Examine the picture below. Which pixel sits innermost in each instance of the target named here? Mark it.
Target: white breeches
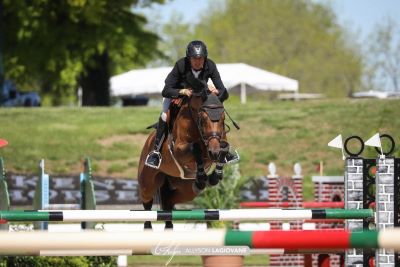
(165, 107)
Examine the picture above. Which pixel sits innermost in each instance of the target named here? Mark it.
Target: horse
(196, 143)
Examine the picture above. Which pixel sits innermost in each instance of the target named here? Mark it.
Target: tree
(1, 45)
(300, 39)
(384, 57)
(61, 45)
(174, 37)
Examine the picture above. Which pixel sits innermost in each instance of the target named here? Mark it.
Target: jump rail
(307, 205)
(53, 243)
(191, 215)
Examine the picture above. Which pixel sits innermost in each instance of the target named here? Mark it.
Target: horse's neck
(184, 121)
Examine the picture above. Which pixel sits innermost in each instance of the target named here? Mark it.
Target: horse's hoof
(197, 187)
(147, 225)
(201, 184)
(201, 177)
(213, 179)
(169, 225)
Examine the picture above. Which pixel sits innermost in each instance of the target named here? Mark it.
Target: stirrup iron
(159, 163)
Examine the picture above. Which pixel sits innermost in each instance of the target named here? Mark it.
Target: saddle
(172, 113)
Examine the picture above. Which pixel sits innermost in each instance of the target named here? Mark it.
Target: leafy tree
(384, 57)
(1, 45)
(300, 39)
(60, 45)
(174, 36)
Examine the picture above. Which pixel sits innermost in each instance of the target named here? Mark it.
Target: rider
(196, 62)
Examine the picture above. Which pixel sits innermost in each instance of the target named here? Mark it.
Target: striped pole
(190, 215)
(53, 243)
(307, 205)
(119, 252)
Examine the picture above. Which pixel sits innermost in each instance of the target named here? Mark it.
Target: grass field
(282, 132)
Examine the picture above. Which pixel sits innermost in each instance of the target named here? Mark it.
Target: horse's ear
(196, 84)
(204, 90)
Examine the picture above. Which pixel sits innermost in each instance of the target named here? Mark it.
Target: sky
(358, 15)
(363, 15)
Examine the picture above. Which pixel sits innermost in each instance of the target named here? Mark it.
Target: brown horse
(197, 140)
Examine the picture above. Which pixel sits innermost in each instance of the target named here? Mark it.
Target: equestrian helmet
(196, 49)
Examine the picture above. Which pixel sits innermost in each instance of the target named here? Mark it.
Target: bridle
(198, 120)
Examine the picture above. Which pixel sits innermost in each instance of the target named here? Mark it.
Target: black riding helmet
(196, 49)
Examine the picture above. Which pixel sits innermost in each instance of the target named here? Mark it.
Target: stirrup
(235, 159)
(159, 162)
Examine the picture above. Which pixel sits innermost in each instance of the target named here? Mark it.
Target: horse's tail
(162, 194)
(157, 200)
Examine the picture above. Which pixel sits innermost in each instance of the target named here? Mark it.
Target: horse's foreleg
(201, 176)
(218, 173)
(147, 206)
(150, 180)
(166, 203)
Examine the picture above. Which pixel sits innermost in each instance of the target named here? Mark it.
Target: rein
(233, 122)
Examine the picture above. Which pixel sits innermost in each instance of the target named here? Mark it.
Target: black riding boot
(153, 160)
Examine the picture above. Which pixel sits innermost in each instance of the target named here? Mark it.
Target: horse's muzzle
(224, 149)
(214, 148)
(218, 154)
(213, 154)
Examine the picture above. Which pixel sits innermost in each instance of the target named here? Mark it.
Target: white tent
(147, 81)
(376, 94)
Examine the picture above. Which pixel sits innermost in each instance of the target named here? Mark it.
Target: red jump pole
(306, 239)
(310, 205)
(336, 205)
(3, 143)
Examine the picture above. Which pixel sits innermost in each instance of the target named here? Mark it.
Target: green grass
(64, 136)
(283, 132)
(149, 260)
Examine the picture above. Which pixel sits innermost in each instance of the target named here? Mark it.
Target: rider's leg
(154, 158)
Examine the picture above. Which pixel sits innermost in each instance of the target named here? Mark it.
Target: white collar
(196, 73)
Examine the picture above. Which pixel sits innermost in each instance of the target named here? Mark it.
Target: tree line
(59, 46)
(301, 39)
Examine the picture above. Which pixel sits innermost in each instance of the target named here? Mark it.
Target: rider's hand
(212, 89)
(186, 92)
